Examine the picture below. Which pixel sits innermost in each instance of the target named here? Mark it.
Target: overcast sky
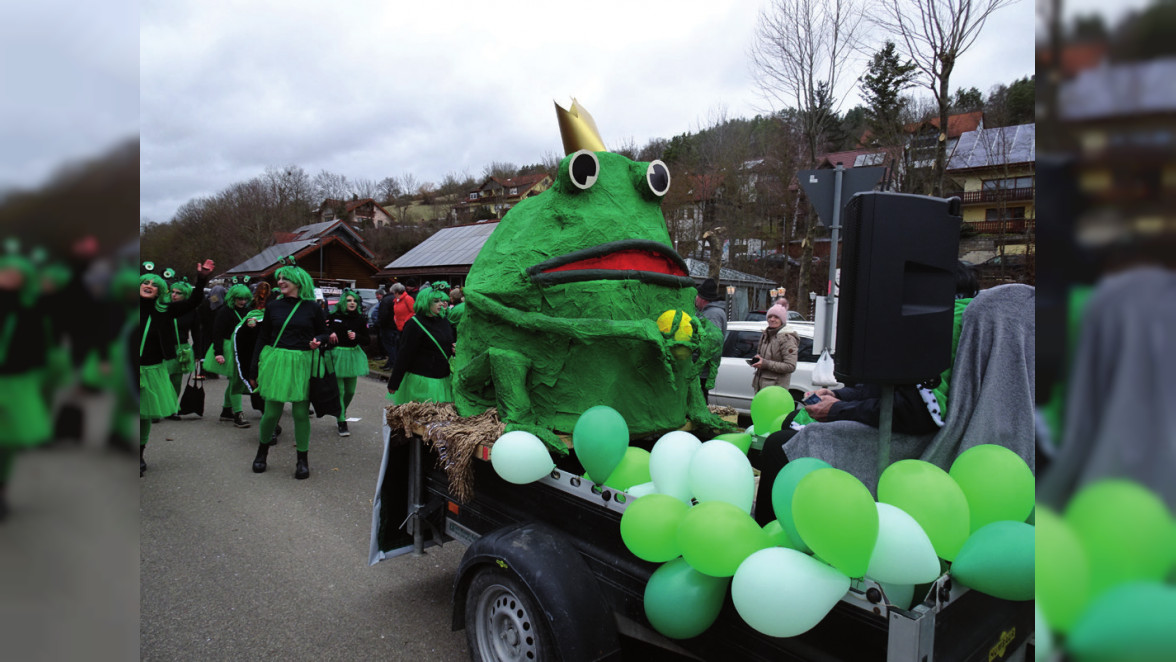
(371, 88)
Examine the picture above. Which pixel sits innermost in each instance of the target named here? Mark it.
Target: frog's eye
(583, 169)
(657, 175)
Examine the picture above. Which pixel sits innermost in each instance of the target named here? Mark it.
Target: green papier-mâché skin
(553, 327)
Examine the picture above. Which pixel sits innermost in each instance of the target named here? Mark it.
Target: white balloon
(903, 553)
(669, 463)
(782, 592)
(720, 471)
(899, 595)
(638, 491)
(520, 457)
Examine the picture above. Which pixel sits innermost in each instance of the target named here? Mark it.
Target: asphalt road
(242, 566)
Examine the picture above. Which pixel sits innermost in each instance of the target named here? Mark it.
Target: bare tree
(331, 185)
(800, 52)
(934, 34)
(388, 189)
(365, 188)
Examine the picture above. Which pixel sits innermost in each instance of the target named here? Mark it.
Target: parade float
(601, 498)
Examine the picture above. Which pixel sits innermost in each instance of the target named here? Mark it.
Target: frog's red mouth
(630, 259)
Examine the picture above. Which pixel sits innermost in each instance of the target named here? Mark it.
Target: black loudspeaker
(897, 287)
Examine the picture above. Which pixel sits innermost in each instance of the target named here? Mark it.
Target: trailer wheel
(503, 621)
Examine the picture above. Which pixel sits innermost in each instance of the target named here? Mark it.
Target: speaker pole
(829, 298)
(885, 421)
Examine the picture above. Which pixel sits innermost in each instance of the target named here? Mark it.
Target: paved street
(236, 565)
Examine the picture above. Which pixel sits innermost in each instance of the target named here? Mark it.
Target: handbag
(192, 401)
(448, 358)
(185, 357)
(324, 388)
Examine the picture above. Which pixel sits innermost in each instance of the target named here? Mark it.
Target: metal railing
(996, 195)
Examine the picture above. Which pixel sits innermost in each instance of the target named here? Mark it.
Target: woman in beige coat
(775, 360)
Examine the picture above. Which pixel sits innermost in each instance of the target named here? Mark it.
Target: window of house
(514, 190)
(1008, 183)
(1010, 213)
(474, 195)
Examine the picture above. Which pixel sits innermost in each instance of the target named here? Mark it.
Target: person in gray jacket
(709, 304)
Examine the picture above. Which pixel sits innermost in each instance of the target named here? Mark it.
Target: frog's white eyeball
(584, 169)
(657, 175)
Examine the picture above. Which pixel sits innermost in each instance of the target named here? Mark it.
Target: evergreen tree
(882, 87)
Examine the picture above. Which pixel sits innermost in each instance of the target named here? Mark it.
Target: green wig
(341, 304)
(425, 298)
(184, 287)
(238, 291)
(299, 277)
(159, 282)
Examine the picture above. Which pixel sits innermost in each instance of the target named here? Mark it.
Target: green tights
(7, 459)
(233, 393)
(144, 430)
(346, 393)
(300, 411)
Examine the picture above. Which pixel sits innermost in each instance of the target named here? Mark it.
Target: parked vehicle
(761, 315)
(1009, 267)
(733, 384)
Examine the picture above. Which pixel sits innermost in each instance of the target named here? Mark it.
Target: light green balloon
(649, 527)
(928, 494)
(599, 439)
(837, 518)
(1131, 621)
(783, 593)
(998, 560)
(903, 553)
(768, 404)
(741, 440)
(716, 536)
(520, 457)
(669, 463)
(721, 472)
(1126, 531)
(785, 486)
(777, 536)
(681, 602)
(996, 482)
(899, 595)
(1062, 571)
(632, 470)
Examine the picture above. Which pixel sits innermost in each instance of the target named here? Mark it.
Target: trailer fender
(551, 568)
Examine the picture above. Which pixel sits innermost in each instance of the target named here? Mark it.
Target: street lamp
(730, 299)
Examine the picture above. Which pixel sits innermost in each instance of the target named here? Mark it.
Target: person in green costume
(220, 359)
(422, 372)
(184, 359)
(24, 414)
(349, 335)
(562, 305)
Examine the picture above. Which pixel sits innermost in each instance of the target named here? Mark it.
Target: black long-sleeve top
(308, 323)
(188, 326)
(23, 337)
(420, 355)
(342, 322)
(161, 333)
(226, 318)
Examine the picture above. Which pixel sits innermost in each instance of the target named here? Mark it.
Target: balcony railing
(996, 195)
(1007, 226)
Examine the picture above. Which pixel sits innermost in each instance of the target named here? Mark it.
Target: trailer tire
(503, 621)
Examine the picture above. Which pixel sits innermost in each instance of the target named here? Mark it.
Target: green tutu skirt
(283, 375)
(210, 364)
(60, 368)
(415, 388)
(24, 417)
(184, 362)
(157, 397)
(348, 362)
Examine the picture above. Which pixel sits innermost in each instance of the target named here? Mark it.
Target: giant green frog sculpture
(563, 304)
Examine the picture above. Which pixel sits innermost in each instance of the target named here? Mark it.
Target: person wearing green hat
(220, 358)
(422, 373)
(349, 335)
(184, 359)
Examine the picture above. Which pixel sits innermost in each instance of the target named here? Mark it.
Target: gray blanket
(1120, 415)
(990, 400)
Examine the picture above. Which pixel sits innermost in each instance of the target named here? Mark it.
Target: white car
(733, 384)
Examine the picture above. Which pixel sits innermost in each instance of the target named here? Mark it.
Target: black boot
(239, 420)
(274, 437)
(226, 414)
(301, 469)
(142, 462)
(259, 461)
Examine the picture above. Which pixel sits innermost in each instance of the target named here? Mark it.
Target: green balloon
(716, 536)
(1132, 621)
(649, 527)
(837, 518)
(777, 536)
(783, 489)
(998, 560)
(768, 404)
(996, 482)
(928, 494)
(599, 439)
(632, 470)
(741, 440)
(1126, 531)
(1062, 571)
(681, 602)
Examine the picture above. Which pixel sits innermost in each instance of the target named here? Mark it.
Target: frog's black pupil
(583, 169)
(659, 178)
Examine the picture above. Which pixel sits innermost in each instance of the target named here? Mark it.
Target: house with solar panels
(331, 251)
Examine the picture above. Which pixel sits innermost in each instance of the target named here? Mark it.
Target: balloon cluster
(1104, 567)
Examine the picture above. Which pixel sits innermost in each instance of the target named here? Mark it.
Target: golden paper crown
(578, 129)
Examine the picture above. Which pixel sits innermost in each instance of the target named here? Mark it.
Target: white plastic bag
(823, 370)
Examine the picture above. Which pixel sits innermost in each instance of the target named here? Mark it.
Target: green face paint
(563, 302)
